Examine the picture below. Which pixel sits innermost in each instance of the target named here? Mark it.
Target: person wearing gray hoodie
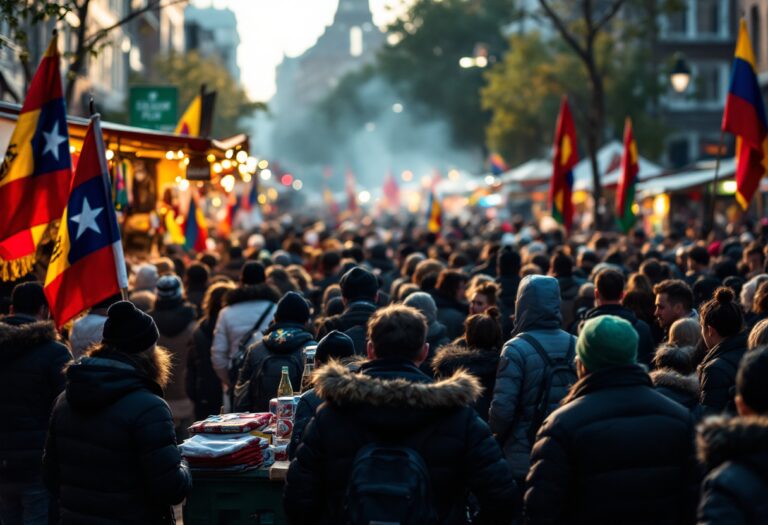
(522, 369)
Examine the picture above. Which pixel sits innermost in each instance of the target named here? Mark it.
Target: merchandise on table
(234, 423)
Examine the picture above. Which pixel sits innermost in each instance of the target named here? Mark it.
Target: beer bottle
(285, 389)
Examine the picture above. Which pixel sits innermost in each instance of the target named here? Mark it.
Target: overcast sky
(271, 28)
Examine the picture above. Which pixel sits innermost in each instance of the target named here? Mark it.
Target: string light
(229, 153)
(169, 155)
(242, 156)
(110, 154)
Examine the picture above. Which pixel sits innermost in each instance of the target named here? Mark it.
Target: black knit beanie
(335, 345)
(359, 283)
(128, 329)
(292, 308)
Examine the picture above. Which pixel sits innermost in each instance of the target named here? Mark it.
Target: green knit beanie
(607, 341)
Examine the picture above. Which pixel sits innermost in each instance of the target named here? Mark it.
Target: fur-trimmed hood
(741, 439)
(337, 385)
(667, 378)
(479, 362)
(259, 292)
(19, 333)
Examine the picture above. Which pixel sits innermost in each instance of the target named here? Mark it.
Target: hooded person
(437, 334)
(111, 454)
(248, 310)
(734, 452)
(336, 346)
(175, 320)
(522, 367)
(390, 400)
(32, 361)
(616, 451)
(359, 291)
(282, 346)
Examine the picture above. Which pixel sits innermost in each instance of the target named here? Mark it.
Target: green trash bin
(248, 498)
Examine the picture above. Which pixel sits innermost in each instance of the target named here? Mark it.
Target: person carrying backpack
(535, 371)
(390, 445)
(280, 347)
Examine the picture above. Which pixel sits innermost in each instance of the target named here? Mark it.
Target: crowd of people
(523, 377)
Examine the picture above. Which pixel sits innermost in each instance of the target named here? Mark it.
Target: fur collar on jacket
(338, 385)
(17, 335)
(667, 378)
(259, 292)
(721, 439)
(456, 356)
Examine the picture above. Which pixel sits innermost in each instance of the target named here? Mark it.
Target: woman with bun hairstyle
(722, 328)
(480, 356)
(111, 454)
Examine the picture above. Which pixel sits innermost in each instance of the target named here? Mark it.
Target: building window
(678, 21)
(708, 17)
(708, 85)
(678, 153)
(754, 19)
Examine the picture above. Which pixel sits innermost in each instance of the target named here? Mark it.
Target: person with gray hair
(437, 333)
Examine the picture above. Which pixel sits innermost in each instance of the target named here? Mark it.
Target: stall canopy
(701, 173)
(609, 165)
(533, 172)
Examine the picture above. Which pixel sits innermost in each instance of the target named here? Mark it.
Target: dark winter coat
(677, 387)
(392, 399)
(32, 361)
(569, 290)
(645, 345)
(195, 296)
(356, 316)
(735, 455)
(451, 313)
(203, 385)
(437, 337)
(283, 339)
(480, 362)
(506, 302)
(617, 452)
(111, 453)
(717, 375)
(521, 369)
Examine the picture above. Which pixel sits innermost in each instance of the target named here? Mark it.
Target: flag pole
(710, 218)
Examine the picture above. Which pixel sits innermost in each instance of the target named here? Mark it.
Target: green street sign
(154, 107)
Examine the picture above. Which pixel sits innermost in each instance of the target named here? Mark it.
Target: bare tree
(580, 33)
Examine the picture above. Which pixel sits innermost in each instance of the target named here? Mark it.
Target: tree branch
(563, 30)
(92, 40)
(612, 11)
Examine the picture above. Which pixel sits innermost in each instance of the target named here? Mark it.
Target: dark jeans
(24, 504)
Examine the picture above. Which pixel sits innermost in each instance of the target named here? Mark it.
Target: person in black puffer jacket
(480, 357)
(391, 399)
(722, 323)
(508, 264)
(286, 337)
(111, 454)
(337, 346)
(203, 385)
(609, 290)
(359, 291)
(617, 451)
(735, 452)
(32, 362)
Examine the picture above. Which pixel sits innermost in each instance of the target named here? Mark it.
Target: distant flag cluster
(195, 228)
(565, 159)
(744, 116)
(625, 193)
(391, 192)
(498, 166)
(434, 207)
(37, 169)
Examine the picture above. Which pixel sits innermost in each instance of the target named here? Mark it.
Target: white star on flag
(53, 140)
(86, 219)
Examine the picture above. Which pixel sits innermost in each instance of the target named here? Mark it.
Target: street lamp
(680, 76)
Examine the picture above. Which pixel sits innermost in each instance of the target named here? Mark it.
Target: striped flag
(37, 169)
(625, 193)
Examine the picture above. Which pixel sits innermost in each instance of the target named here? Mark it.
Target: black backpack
(266, 378)
(238, 359)
(560, 371)
(389, 485)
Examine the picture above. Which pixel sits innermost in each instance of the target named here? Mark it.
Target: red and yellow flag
(37, 169)
(565, 158)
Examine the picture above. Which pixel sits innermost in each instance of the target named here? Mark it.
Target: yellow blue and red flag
(630, 167)
(87, 264)
(744, 116)
(565, 158)
(498, 166)
(434, 207)
(195, 228)
(37, 169)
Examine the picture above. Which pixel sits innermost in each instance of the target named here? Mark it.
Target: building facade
(213, 33)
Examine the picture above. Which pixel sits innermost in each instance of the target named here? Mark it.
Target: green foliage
(189, 71)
